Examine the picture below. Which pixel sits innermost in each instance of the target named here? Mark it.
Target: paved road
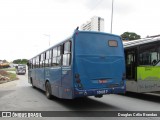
(20, 96)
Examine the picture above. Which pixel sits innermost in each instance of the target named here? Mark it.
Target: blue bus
(86, 64)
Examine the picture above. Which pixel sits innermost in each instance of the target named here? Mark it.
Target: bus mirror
(154, 62)
(27, 63)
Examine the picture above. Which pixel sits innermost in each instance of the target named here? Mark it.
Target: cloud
(97, 4)
(120, 6)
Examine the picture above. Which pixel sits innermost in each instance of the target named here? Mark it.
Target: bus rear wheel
(48, 90)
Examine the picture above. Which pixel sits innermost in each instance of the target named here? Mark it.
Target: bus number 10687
(102, 91)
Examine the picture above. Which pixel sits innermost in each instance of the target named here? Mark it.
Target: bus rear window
(113, 43)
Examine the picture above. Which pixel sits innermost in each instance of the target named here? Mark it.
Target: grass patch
(12, 76)
(6, 76)
(9, 69)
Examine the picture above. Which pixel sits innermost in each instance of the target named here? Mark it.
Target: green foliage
(130, 36)
(8, 69)
(12, 76)
(20, 61)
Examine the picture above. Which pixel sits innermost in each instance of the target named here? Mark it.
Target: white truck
(21, 69)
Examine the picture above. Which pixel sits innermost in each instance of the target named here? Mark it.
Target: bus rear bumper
(96, 92)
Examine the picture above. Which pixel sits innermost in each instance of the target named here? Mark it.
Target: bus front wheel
(48, 90)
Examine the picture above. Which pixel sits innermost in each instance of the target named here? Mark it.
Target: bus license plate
(102, 91)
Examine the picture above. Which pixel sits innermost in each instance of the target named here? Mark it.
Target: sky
(28, 27)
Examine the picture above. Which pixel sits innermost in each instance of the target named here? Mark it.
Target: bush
(3, 73)
(5, 76)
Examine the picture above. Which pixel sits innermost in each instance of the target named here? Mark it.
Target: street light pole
(112, 15)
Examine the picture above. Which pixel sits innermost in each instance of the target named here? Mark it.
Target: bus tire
(48, 90)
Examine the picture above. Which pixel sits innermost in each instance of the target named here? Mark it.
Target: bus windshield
(98, 44)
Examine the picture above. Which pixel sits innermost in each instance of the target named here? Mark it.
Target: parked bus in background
(142, 65)
(21, 69)
(85, 64)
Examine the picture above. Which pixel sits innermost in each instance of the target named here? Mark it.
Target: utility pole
(112, 15)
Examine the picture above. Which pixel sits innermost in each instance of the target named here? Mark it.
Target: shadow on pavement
(83, 104)
(144, 96)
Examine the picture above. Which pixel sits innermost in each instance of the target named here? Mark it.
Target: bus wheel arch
(48, 90)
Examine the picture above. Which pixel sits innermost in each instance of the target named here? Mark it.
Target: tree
(20, 61)
(24, 61)
(130, 36)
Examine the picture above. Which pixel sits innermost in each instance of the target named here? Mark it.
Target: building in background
(95, 24)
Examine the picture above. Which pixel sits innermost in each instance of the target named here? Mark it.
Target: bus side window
(34, 63)
(47, 56)
(50, 58)
(59, 56)
(67, 54)
(37, 61)
(54, 55)
(41, 60)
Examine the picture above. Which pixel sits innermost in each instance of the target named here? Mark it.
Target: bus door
(55, 71)
(66, 70)
(34, 72)
(130, 57)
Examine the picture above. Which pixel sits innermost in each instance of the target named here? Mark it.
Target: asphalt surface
(20, 96)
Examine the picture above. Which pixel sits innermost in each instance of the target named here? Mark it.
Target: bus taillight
(78, 80)
(76, 75)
